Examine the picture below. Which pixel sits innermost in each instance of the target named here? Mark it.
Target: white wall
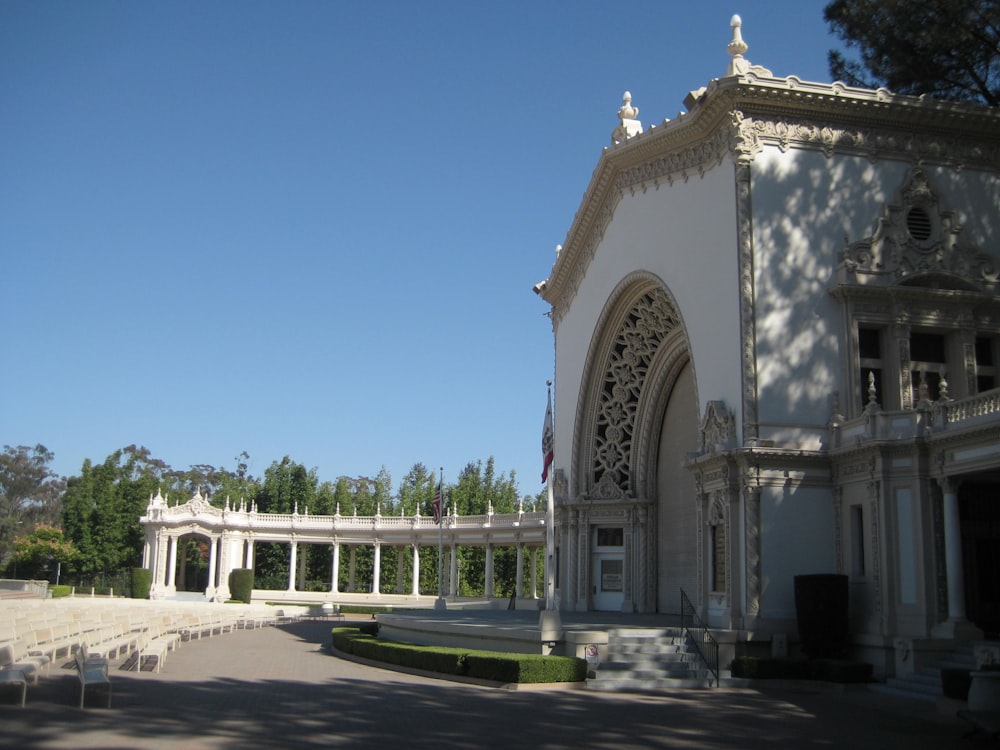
(685, 234)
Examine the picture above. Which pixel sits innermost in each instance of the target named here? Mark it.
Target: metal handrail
(708, 647)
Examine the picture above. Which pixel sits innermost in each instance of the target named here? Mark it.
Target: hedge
(241, 584)
(142, 579)
(484, 665)
(829, 670)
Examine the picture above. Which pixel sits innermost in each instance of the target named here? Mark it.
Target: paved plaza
(281, 687)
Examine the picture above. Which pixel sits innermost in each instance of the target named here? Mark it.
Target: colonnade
(233, 534)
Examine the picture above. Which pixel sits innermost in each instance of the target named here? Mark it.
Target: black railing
(708, 647)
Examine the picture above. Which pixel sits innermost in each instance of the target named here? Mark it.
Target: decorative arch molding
(638, 351)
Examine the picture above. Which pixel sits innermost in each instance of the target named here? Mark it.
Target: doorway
(608, 569)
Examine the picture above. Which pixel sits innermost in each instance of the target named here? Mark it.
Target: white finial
(736, 46)
(738, 65)
(628, 126)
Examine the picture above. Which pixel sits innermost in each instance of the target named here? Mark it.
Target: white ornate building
(777, 340)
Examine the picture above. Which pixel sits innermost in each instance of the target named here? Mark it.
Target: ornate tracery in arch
(640, 320)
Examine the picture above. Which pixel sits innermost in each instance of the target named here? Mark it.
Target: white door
(608, 571)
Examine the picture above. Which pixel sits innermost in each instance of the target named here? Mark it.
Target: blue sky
(312, 228)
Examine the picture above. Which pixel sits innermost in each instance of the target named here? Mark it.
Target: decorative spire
(628, 125)
(739, 65)
(943, 387)
(873, 405)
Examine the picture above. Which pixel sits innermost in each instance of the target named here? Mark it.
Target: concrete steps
(925, 684)
(641, 659)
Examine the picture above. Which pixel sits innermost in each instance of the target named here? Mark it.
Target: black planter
(821, 609)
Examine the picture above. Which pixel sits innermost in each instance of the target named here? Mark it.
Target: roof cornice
(737, 116)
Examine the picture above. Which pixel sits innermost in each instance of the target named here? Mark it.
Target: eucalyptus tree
(30, 492)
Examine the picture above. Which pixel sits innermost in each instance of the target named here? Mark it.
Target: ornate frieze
(915, 239)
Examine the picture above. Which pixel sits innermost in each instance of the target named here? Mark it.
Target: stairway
(925, 684)
(641, 659)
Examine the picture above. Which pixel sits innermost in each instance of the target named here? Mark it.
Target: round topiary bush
(142, 579)
(241, 584)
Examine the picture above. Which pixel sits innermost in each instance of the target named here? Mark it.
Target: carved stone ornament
(607, 489)
(628, 124)
(718, 429)
(916, 243)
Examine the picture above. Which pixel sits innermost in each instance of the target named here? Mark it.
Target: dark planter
(821, 609)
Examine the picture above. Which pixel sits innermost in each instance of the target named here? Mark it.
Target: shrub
(241, 584)
(769, 668)
(142, 578)
(59, 591)
(485, 665)
(829, 670)
(840, 670)
(955, 683)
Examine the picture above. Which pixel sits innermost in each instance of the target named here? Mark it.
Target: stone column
(292, 564)
(628, 579)
(415, 589)
(213, 561)
(377, 568)
(534, 572)
(953, 550)
(251, 558)
(335, 572)
(172, 562)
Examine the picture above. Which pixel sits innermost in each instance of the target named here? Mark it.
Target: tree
(102, 507)
(949, 49)
(29, 492)
(39, 551)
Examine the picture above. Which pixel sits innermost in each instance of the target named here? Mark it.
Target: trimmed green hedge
(829, 670)
(241, 584)
(142, 579)
(484, 665)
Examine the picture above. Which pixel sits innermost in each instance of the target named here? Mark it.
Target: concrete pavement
(281, 687)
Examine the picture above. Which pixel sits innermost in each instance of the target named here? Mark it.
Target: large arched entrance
(628, 526)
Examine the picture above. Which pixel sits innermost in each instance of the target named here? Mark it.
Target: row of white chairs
(36, 633)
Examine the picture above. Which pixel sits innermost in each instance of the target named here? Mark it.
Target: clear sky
(312, 228)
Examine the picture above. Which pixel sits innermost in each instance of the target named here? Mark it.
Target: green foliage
(142, 579)
(484, 665)
(29, 493)
(241, 584)
(57, 592)
(949, 49)
(102, 507)
(38, 552)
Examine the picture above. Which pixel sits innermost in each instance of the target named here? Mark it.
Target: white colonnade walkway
(232, 534)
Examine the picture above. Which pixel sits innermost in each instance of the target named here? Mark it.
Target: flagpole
(549, 620)
(550, 536)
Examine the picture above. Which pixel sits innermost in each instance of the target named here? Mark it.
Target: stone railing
(926, 421)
